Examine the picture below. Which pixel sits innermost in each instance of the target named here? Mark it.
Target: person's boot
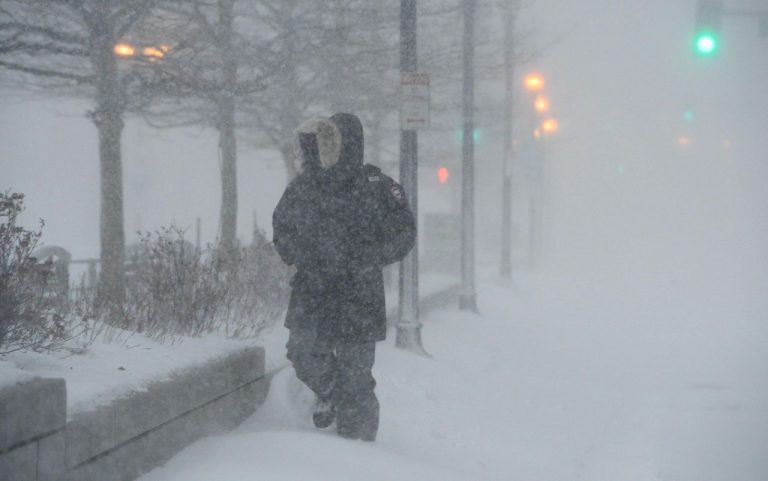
(361, 422)
(325, 413)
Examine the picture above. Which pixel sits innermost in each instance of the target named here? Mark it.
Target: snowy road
(553, 381)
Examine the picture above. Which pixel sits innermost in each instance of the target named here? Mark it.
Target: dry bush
(257, 289)
(176, 289)
(173, 289)
(30, 317)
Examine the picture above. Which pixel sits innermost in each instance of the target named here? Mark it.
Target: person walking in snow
(340, 221)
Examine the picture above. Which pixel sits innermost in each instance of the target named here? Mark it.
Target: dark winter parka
(339, 222)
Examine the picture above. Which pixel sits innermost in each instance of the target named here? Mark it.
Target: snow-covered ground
(556, 379)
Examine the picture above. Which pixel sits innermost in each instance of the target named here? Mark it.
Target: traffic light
(443, 174)
(475, 135)
(709, 14)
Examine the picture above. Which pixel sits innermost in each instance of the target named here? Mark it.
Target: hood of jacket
(319, 142)
(332, 145)
(351, 155)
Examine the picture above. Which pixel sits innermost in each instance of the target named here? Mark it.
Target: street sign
(414, 101)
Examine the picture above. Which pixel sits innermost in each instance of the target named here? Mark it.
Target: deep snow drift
(554, 380)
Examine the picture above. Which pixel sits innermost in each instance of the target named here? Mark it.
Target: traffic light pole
(408, 324)
(468, 296)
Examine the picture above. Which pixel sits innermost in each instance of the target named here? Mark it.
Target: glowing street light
(155, 52)
(124, 50)
(534, 82)
(541, 104)
(549, 126)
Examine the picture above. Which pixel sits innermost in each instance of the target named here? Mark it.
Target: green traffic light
(706, 44)
(475, 135)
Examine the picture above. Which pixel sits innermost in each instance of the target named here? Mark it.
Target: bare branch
(79, 79)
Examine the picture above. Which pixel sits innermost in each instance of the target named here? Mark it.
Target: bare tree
(328, 56)
(209, 69)
(67, 47)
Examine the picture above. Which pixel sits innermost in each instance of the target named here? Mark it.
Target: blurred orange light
(683, 141)
(124, 50)
(154, 52)
(537, 133)
(541, 104)
(534, 82)
(442, 175)
(549, 126)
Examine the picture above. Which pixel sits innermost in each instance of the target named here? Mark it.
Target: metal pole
(467, 296)
(505, 266)
(408, 325)
(533, 230)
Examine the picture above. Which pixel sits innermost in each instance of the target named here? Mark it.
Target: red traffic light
(442, 175)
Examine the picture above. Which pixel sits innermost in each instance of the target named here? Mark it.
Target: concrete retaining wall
(131, 435)
(33, 416)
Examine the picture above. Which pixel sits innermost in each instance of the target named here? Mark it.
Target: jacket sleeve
(284, 230)
(398, 225)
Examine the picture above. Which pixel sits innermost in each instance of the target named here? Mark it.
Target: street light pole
(505, 266)
(468, 296)
(408, 325)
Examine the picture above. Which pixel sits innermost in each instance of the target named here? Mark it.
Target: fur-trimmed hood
(319, 142)
(332, 144)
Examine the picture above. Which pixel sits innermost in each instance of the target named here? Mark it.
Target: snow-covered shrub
(171, 288)
(257, 289)
(174, 288)
(28, 316)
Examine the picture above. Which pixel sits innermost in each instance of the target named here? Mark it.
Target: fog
(676, 226)
(627, 201)
(623, 195)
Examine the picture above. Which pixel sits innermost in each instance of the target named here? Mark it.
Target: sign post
(413, 104)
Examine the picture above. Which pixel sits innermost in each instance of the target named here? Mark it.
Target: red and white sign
(414, 101)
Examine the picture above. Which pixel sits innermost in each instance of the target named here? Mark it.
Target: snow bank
(106, 371)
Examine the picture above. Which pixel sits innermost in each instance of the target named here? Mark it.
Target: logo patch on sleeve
(397, 193)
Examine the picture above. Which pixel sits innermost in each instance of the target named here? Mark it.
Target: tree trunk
(338, 87)
(290, 114)
(111, 285)
(228, 152)
(226, 125)
(108, 118)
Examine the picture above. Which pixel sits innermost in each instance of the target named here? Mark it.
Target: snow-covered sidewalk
(552, 381)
